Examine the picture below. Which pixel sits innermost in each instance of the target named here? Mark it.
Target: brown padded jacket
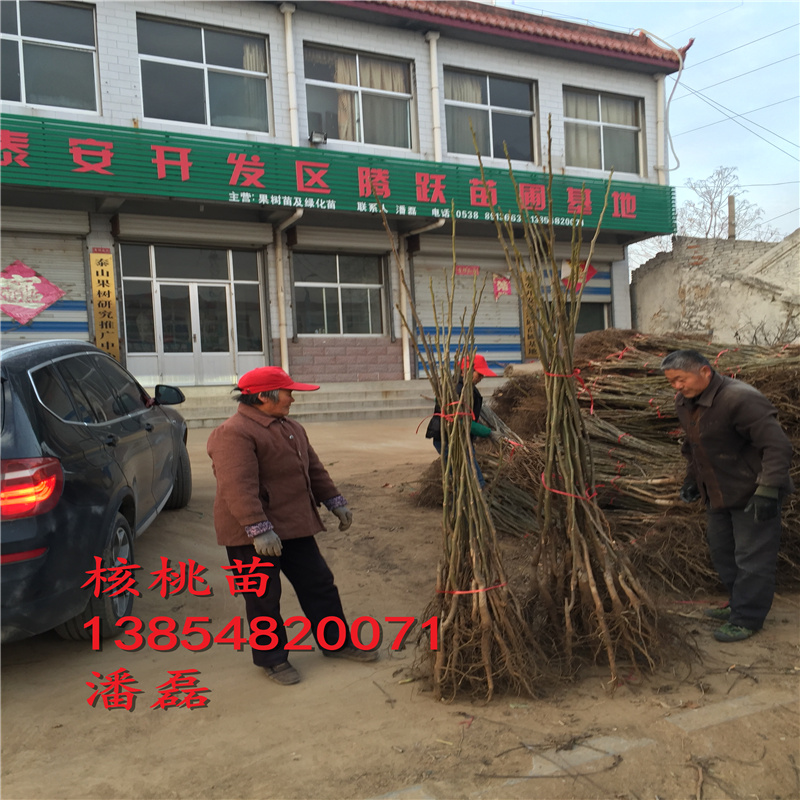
(266, 469)
(734, 443)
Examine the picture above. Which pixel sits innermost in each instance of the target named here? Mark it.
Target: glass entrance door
(196, 334)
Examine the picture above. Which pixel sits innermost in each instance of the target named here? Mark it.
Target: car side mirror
(169, 395)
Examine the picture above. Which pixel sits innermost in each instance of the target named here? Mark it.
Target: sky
(737, 102)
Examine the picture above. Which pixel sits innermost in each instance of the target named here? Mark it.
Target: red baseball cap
(480, 366)
(265, 379)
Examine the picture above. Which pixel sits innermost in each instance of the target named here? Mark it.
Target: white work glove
(267, 544)
(496, 437)
(345, 517)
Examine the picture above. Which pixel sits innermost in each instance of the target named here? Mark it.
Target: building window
(48, 54)
(247, 302)
(338, 294)
(602, 131)
(591, 317)
(209, 77)
(501, 111)
(194, 285)
(357, 97)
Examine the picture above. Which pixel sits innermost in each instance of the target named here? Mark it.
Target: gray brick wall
(334, 360)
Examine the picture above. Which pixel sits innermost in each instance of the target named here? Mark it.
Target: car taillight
(29, 486)
(25, 555)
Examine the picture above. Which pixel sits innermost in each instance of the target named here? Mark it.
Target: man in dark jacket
(270, 483)
(739, 460)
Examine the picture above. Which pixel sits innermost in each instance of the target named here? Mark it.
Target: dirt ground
(723, 728)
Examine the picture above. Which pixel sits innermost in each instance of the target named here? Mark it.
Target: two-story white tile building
(196, 186)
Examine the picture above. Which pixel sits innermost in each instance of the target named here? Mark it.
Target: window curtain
(389, 76)
(462, 87)
(582, 146)
(386, 119)
(579, 105)
(582, 142)
(254, 58)
(345, 71)
(619, 110)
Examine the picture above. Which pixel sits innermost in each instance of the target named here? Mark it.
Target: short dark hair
(254, 400)
(249, 400)
(685, 360)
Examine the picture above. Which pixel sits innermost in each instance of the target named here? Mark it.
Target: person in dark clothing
(477, 429)
(738, 463)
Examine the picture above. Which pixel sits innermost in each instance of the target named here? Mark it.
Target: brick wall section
(343, 359)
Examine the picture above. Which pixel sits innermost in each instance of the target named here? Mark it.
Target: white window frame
(600, 124)
(338, 285)
(359, 91)
(231, 281)
(206, 67)
(22, 40)
(489, 107)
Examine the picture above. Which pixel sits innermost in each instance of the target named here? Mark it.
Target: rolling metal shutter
(60, 259)
(197, 232)
(497, 325)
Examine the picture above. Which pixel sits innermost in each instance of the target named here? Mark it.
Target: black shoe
(352, 653)
(284, 674)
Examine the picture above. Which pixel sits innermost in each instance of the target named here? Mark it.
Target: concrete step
(207, 407)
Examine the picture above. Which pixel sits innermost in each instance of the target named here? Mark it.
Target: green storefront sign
(106, 159)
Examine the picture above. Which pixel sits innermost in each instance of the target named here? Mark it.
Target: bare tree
(706, 217)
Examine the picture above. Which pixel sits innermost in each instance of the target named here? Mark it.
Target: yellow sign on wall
(104, 300)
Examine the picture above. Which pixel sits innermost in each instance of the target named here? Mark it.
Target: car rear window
(85, 381)
(54, 396)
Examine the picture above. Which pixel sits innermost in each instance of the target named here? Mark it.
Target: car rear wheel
(182, 488)
(108, 609)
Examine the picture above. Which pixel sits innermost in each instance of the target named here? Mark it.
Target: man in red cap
(270, 483)
(477, 429)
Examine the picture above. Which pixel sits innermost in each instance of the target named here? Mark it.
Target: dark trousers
(312, 580)
(745, 554)
(437, 443)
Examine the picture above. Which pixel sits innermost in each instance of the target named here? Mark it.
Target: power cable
(746, 44)
(793, 211)
(719, 107)
(742, 74)
(751, 185)
(702, 22)
(743, 114)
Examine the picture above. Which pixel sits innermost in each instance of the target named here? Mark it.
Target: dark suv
(88, 461)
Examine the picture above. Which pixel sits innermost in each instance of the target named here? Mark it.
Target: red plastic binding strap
(619, 354)
(448, 417)
(658, 408)
(584, 388)
(586, 496)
